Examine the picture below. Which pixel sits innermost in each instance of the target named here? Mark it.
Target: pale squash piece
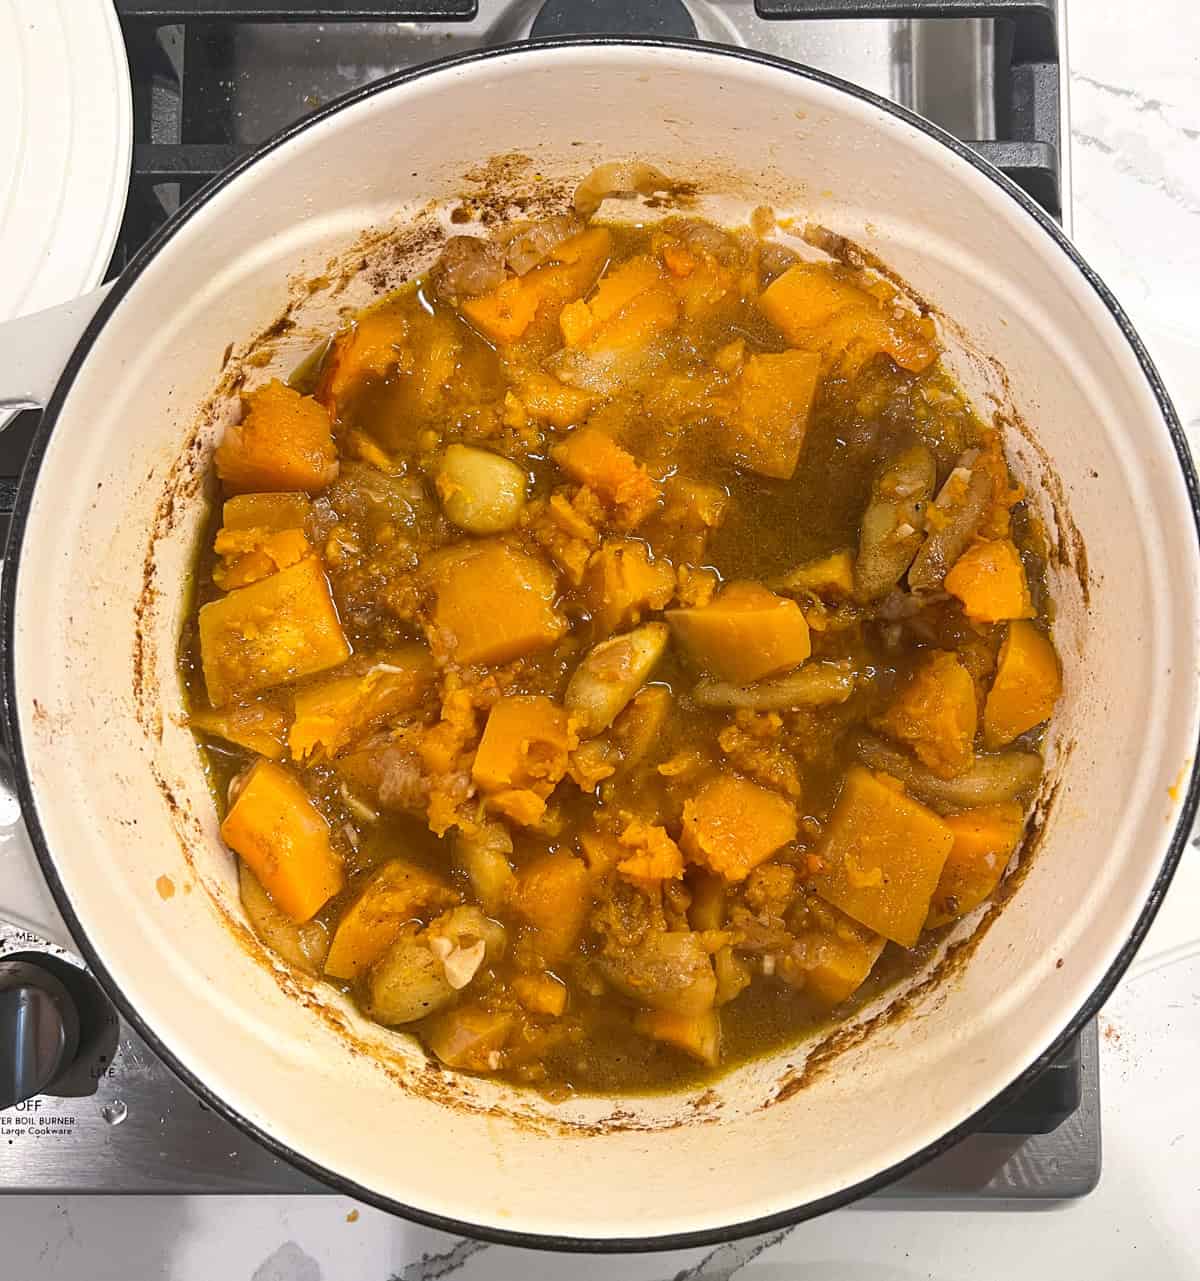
(591, 457)
(284, 838)
(550, 401)
(334, 712)
(285, 441)
(984, 840)
(881, 856)
(830, 576)
(276, 630)
(623, 582)
(731, 826)
(553, 895)
(833, 963)
(696, 1034)
(774, 397)
(258, 727)
(820, 310)
(470, 1037)
(744, 634)
(1026, 687)
(394, 895)
(525, 745)
(935, 714)
(990, 581)
(267, 511)
(541, 994)
(493, 602)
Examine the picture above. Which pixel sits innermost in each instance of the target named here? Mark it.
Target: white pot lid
(64, 150)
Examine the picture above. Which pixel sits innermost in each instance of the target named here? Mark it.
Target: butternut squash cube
(990, 581)
(333, 712)
(622, 583)
(745, 633)
(553, 402)
(276, 630)
(774, 397)
(882, 855)
(373, 345)
(731, 826)
(285, 441)
(470, 1037)
(525, 744)
(984, 840)
(833, 963)
(541, 993)
(696, 1034)
(830, 576)
(1026, 686)
(248, 555)
(493, 602)
(504, 314)
(591, 457)
(267, 511)
(935, 714)
(394, 895)
(553, 894)
(258, 727)
(284, 839)
(819, 308)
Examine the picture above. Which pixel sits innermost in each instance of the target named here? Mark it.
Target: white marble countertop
(1135, 101)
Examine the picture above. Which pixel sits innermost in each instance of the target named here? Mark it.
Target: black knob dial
(39, 1030)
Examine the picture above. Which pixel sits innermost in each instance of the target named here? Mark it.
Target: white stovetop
(1135, 101)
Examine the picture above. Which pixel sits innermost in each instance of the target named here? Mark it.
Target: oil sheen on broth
(618, 654)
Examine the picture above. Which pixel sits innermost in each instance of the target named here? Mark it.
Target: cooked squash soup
(620, 653)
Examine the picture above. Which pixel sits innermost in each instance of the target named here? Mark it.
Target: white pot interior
(116, 778)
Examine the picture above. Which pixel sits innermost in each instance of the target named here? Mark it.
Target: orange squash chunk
(819, 309)
(258, 727)
(882, 856)
(374, 344)
(989, 579)
(553, 895)
(273, 512)
(393, 896)
(935, 714)
(984, 840)
(833, 963)
(654, 856)
(285, 441)
(275, 630)
(333, 712)
(493, 602)
(630, 305)
(731, 826)
(696, 1034)
(593, 458)
(774, 396)
(1026, 686)
(284, 839)
(745, 633)
(504, 314)
(248, 555)
(622, 583)
(525, 744)
(541, 993)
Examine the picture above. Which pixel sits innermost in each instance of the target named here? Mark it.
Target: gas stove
(211, 79)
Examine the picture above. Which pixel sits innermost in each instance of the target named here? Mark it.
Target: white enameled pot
(114, 497)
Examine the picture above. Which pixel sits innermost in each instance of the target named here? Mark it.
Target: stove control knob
(39, 1030)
